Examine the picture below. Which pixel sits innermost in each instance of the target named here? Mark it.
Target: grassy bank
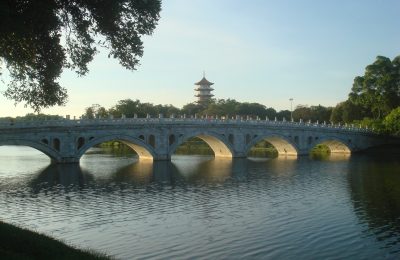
(20, 243)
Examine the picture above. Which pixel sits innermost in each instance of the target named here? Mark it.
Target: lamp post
(291, 109)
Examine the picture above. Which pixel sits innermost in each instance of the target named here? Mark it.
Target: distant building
(203, 91)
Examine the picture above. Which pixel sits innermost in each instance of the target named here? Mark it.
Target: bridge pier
(65, 160)
(303, 152)
(239, 155)
(162, 157)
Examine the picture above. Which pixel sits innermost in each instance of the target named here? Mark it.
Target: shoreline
(21, 243)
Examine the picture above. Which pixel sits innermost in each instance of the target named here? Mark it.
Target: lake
(198, 207)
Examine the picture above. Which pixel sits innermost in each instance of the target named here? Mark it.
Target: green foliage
(95, 111)
(129, 108)
(31, 34)
(313, 113)
(31, 117)
(191, 109)
(231, 107)
(392, 122)
(222, 107)
(379, 89)
(347, 112)
(283, 114)
(374, 124)
(374, 99)
(251, 109)
(320, 149)
(263, 149)
(196, 146)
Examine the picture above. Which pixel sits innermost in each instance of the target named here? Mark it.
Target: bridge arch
(40, 146)
(282, 144)
(218, 143)
(144, 150)
(335, 144)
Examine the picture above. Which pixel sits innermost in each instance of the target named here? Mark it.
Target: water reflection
(182, 170)
(330, 156)
(201, 207)
(142, 173)
(375, 192)
(66, 175)
(192, 170)
(205, 169)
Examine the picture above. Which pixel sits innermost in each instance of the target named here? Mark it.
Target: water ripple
(201, 208)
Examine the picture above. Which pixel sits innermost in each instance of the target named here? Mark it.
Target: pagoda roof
(204, 81)
(206, 89)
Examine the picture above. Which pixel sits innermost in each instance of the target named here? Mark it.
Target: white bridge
(65, 141)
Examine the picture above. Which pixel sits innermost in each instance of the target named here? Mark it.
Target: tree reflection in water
(375, 192)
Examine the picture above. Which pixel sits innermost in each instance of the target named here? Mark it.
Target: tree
(379, 89)
(31, 35)
(270, 113)
(89, 113)
(283, 114)
(31, 116)
(95, 111)
(392, 122)
(126, 107)
(191, 109)
(321, 113)
(337, 113)
(167, 110)
(251, 109)
(347, 112)
(302, 112)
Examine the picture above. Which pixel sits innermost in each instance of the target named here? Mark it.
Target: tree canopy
(379, 89)
(392, 122)
(38, 39)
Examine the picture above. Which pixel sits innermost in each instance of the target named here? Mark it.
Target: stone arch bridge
(65, 141)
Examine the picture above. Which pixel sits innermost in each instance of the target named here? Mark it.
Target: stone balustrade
(178, 121)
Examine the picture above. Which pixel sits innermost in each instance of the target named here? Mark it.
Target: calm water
(201, 208)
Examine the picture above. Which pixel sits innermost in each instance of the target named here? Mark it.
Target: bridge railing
(199, 121)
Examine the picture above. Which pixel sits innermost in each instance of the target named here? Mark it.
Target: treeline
(227, 108)
(31, 116)
(374, 100)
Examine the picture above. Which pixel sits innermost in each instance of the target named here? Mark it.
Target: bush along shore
(20, 243)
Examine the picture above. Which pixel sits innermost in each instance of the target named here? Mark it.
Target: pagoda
(204, 91)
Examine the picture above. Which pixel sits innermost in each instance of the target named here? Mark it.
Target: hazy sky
(256, 51)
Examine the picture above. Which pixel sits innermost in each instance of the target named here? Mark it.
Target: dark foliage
(18, 243)
(32, 32)
(378, 90)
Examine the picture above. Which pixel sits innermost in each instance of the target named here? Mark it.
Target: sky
(264, 51)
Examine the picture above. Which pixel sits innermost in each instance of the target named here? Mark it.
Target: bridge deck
(176, 121)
